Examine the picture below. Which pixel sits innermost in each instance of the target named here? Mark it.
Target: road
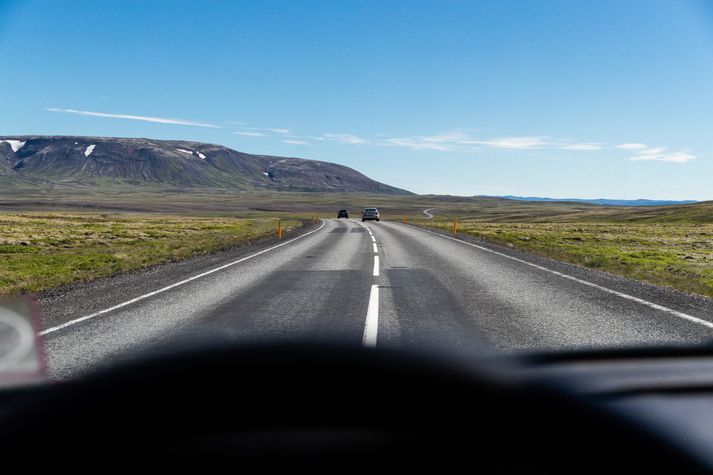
(373, 284)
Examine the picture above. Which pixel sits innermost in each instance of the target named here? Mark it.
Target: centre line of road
(172, 286)
(655, 306)
(372, 318)
(376, 266)
(376, 250)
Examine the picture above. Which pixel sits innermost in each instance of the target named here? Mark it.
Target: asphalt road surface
(369, 284)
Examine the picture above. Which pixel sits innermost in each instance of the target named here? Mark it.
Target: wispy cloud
(345, 138)
(251, 134)
(583, 146)
(662, 154)
(419, 143)
(632, 146)
(278, 131)
(643, 152)
(458, 141)
(515, 143)
(296, 142)
(464, 142)
(158, 120)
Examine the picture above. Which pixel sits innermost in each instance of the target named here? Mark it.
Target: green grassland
(43, 250)
(202, 202)
(669, 245)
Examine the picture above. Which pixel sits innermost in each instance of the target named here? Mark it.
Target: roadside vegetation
(43, 250)
(666, 245)
(676, 255)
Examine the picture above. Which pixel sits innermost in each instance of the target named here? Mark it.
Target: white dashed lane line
(371, 327)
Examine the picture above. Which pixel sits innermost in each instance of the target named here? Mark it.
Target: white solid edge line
(376, 266)
(376, 250)
(169, 287)
(371, 326)
(655, 306)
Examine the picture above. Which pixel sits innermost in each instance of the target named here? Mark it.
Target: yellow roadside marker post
(279, 230)
(454, 227)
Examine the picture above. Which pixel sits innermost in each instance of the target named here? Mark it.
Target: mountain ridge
(103, 161)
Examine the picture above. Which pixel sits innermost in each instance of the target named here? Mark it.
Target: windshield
(534, 177)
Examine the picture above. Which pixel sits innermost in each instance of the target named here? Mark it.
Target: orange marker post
(454, 227)
(279, 230)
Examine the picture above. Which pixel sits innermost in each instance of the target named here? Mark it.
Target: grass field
(669, 245)
(43, 250)
(677, 255)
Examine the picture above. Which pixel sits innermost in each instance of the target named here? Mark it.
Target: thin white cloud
(445, 142)
(515, 143)
(296, 142)
(583, 146)
(661, 154)
(643, 152)
(457, 141)
(250, 134)
(345, 138)
(278, 131)
(418, 143)
(632, 146)
(158, 120)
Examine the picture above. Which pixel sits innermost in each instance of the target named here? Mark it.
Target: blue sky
(552, 98)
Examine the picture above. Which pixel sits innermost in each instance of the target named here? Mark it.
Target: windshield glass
(179, 174)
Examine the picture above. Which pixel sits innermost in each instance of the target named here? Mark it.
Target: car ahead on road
(370, 214)
(343, 213)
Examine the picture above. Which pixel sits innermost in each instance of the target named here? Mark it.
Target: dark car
(343, 213)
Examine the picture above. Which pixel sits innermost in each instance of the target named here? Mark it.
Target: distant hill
(601, 201)
(105, 161)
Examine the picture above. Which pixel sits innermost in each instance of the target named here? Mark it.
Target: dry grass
(676, 255)
(42, 250)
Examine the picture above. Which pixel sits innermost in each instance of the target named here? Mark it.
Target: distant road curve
(427, 213)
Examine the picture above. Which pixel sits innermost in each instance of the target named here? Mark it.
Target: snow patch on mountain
(15, 145)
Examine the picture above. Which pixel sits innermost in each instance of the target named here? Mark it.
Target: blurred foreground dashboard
(342, 409)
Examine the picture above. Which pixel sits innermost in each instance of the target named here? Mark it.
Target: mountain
(601, 201)
(105, 161)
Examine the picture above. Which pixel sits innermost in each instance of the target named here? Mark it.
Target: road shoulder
(697, 305)
(69, 301)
